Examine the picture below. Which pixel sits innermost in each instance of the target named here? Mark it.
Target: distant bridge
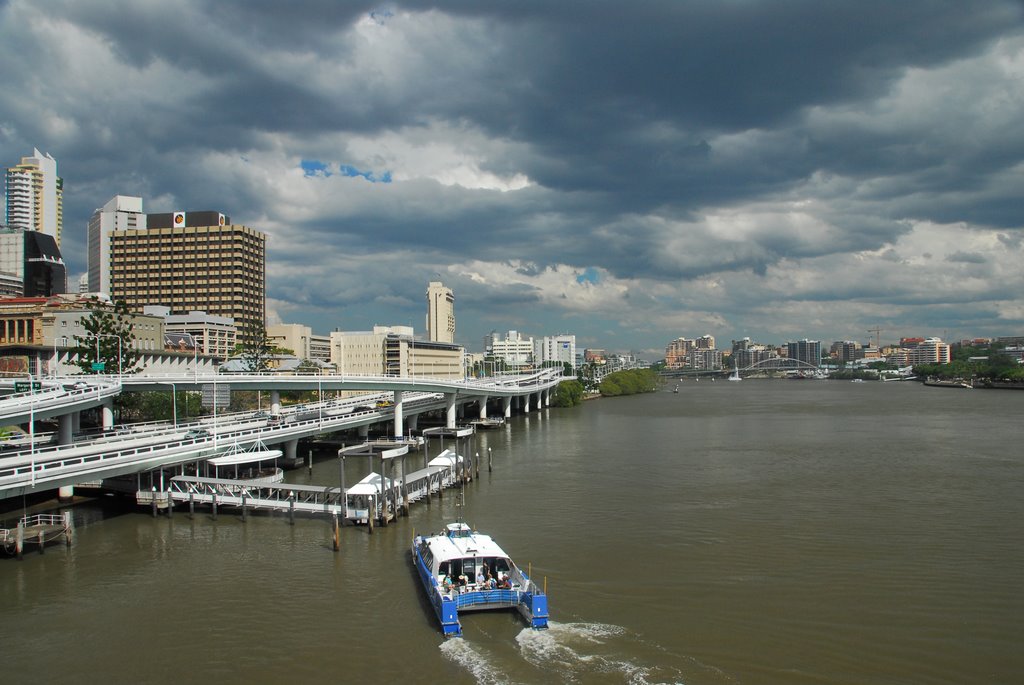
(772, 364)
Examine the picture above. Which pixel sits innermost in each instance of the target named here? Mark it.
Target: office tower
(35, 196)
(440, 313)
(33, 261)
(559, 349)
(192, 261)
(121, 213)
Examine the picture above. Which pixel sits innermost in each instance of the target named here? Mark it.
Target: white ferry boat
(463, 570)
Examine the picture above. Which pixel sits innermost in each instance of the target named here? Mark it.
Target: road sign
(98, 366)
(26, 386)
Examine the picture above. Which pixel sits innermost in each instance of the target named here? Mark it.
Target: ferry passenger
(481, 576)
(491, 582)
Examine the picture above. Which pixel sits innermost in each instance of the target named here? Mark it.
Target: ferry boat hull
(437, 558)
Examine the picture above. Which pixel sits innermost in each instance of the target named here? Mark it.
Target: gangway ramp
(289, 497)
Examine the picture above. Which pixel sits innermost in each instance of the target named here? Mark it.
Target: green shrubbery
(629, 382)
(568, 394)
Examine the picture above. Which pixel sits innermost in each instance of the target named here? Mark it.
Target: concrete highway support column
(399, 426)
(506, 406)
(526, 403)
(65, 427)
(108, 414)
(449, 410)
(363, 431)
(290, 448)
(275, 401)
(76, 422)
(483, 407)
(64, 430)
(414, 422)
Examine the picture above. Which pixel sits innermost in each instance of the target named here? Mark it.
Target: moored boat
(463, 570)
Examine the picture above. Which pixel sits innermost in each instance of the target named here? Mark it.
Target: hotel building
(440, 313)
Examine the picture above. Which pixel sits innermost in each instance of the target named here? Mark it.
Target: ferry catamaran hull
(462, 570)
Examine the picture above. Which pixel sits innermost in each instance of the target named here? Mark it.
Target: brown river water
(760, 532)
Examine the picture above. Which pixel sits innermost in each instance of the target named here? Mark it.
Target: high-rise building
(121, 213)
(677, 353)
(929, 351)
(559, 349)
(189, 261)
(35, 196)
(33, 260)
(440, 313)
(807, 351)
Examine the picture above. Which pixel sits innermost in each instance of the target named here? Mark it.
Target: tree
(109, 339)
(629, 382)
(255, 348)
(568, 394)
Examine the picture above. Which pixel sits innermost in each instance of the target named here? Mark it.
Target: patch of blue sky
(314, 167)
(588, 275)
(347, 170)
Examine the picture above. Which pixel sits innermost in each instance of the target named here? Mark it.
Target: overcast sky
(631, 172)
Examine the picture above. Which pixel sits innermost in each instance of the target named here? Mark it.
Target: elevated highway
(157, 445)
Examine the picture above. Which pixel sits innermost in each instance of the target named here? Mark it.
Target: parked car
(197, 434)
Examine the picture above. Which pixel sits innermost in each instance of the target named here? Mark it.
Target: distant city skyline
(661, 169)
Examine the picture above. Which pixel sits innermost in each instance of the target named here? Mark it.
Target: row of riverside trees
(989, 364)
(629, 382)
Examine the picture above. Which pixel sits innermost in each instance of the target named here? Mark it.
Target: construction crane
(878, 334)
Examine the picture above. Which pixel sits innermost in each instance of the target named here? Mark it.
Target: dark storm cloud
(684, 154)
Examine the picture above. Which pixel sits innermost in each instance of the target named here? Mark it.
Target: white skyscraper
(35, 196)
(122, 212)
(440, 313)
(560, 349)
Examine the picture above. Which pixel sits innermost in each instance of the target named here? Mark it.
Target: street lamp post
(107, 335)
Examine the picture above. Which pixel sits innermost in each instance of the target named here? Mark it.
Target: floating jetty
(39, 530)
(374, 498)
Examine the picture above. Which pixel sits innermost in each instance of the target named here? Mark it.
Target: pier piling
(490, 457)
(67, 527)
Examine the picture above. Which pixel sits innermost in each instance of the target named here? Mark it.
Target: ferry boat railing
(488, 597)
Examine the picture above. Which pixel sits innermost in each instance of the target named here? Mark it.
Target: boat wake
(594, 652)
(484, 668)
(577, 653)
